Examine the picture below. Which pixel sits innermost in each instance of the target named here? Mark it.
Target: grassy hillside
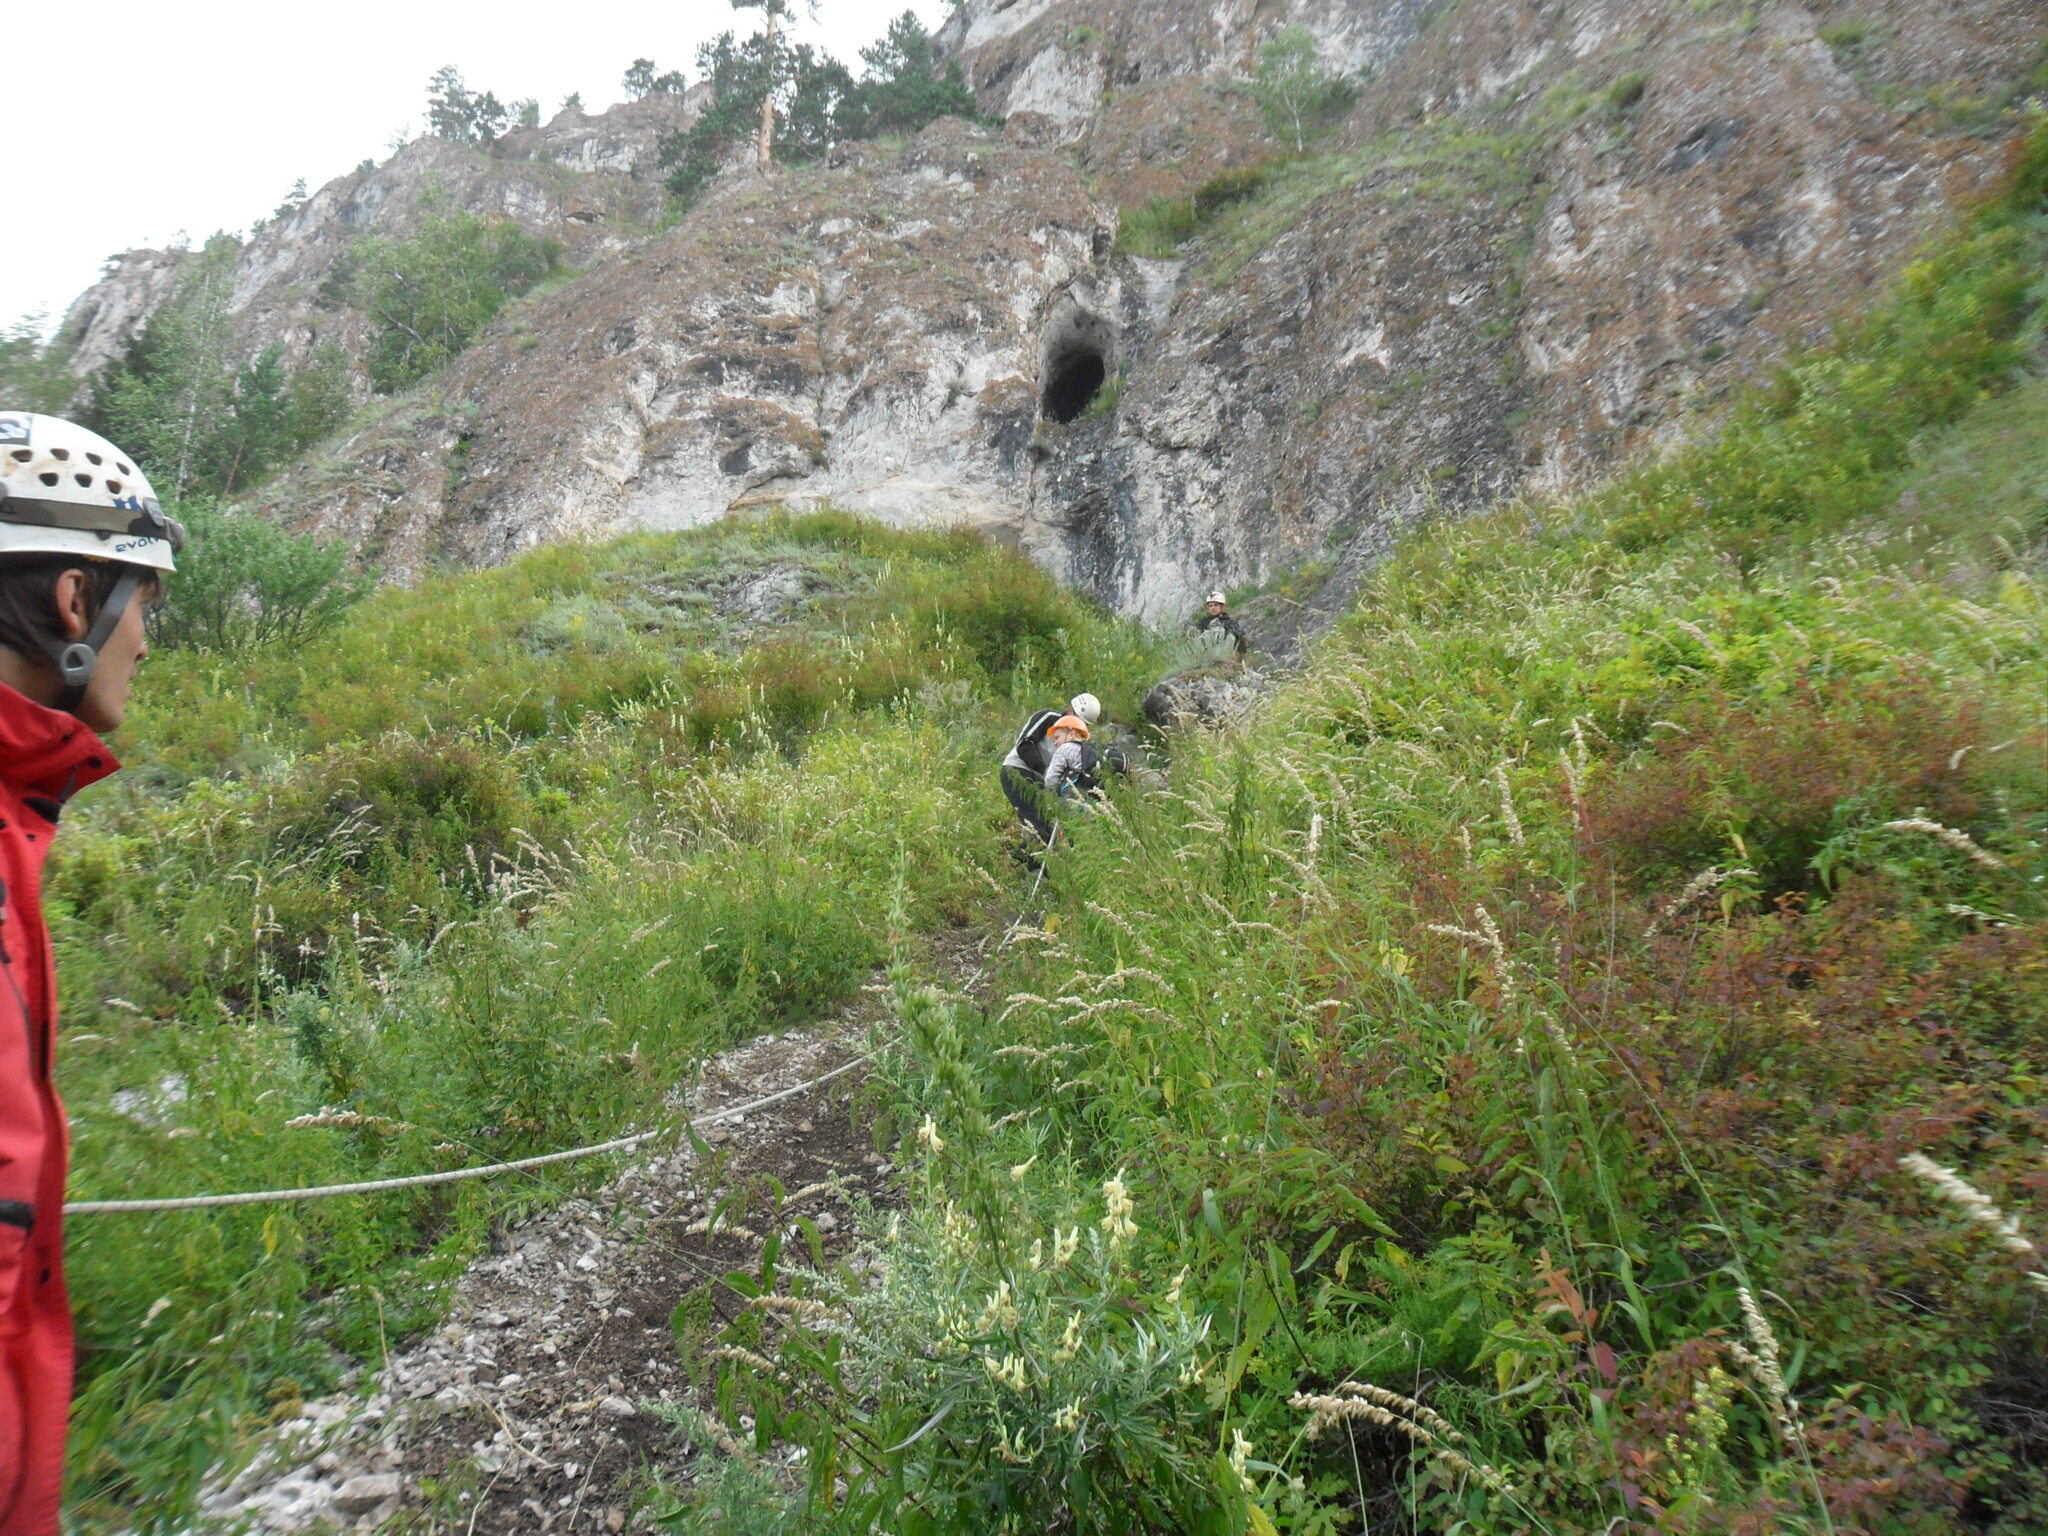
(485, 870)
(1486, 1093)
(1472, 1098)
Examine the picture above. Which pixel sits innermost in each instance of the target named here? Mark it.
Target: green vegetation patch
(1507, 1086)
(489, 869)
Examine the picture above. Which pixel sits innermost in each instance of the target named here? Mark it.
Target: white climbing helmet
(1087, 706)
(67, 491)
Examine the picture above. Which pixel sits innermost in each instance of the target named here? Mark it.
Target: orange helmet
(1072, 723)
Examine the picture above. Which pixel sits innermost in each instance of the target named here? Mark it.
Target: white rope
(372, 1186)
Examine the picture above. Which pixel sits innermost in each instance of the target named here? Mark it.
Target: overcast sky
(151, 119)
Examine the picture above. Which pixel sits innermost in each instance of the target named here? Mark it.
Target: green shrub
(1296, 96)
(1626, 93)
(1524, 1019)
(426, 296)
(245, 581)
(1160, 226)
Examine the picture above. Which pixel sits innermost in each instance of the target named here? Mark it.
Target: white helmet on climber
(1087, 706)
(67, 491)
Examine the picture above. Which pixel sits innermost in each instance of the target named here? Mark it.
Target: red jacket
(44, 757)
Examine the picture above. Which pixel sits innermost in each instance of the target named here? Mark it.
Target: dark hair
(29, 620)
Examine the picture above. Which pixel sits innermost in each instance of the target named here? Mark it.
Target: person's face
(106, 696)
(1215, 610)
(1062, 734)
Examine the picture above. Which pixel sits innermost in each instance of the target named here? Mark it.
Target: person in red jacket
(83, 549)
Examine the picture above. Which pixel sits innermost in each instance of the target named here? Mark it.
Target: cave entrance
(1072, 382)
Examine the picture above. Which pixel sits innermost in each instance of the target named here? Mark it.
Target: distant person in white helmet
(1215, 618)
(83, 551)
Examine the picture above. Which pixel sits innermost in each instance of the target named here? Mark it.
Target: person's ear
(72, 611)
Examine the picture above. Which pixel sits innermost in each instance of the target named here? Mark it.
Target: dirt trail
(533, 1407)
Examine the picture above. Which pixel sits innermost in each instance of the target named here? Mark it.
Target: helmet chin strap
(78, 659)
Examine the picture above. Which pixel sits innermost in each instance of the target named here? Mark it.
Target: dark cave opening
(1071, 383)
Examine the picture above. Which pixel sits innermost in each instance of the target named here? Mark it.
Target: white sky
(148, 119)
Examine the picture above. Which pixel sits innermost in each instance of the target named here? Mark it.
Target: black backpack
(1031, 748)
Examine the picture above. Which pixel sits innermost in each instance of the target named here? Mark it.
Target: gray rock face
(1203, 699)
(360, 1495)
(586, 181)
(867, 334)
(1547, 238)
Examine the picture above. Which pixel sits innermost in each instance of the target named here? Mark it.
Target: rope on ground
(418, 1180)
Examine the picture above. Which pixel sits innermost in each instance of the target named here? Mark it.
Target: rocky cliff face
(1549, 235)
(588, 181)
(865, 333)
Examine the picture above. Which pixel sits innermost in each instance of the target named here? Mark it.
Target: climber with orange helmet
(83, 550)
(1069, 763)
(1023, 771)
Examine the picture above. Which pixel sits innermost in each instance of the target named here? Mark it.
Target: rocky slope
(588, 181)
(1548, 236)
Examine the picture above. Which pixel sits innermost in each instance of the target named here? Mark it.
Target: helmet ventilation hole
(123, 467)
(60, 453)
(84, 480)
(48, 477)
(93, 458)
(22, 455)
(114, 487)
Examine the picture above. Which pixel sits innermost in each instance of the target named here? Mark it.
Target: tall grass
(489, 868)
(1510, 1038)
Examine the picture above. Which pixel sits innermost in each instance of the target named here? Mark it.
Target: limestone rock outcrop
(590, 182)
(1547, 237)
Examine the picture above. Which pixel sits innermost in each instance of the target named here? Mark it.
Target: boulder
(360, 1495)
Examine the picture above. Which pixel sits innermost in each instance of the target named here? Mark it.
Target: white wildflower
(1976, 1207)
(1507, 806)
(1701, 884)
(1961, 841)
(1070, 1341)
(1064, 1244)
(1179, 1280)
(1761, 1360)
(1019, 1170)
(1240, 1449)
(928, 1136)
(1068, 1419)
(1008, 1372)
(1356, 1400)
(1571, 783)
(998, 1311)
(1117, 1221)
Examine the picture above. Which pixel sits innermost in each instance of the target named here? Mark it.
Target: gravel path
(531, 1409)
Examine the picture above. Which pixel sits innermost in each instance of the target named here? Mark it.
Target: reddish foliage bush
(1780, 774)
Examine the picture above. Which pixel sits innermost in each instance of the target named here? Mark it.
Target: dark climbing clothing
(1026, 795)
(1031, 752)
(1227, 624)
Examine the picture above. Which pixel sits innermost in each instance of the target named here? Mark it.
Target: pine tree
(34, 373)
(462, 116)
(772, 11)
(905, 88)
